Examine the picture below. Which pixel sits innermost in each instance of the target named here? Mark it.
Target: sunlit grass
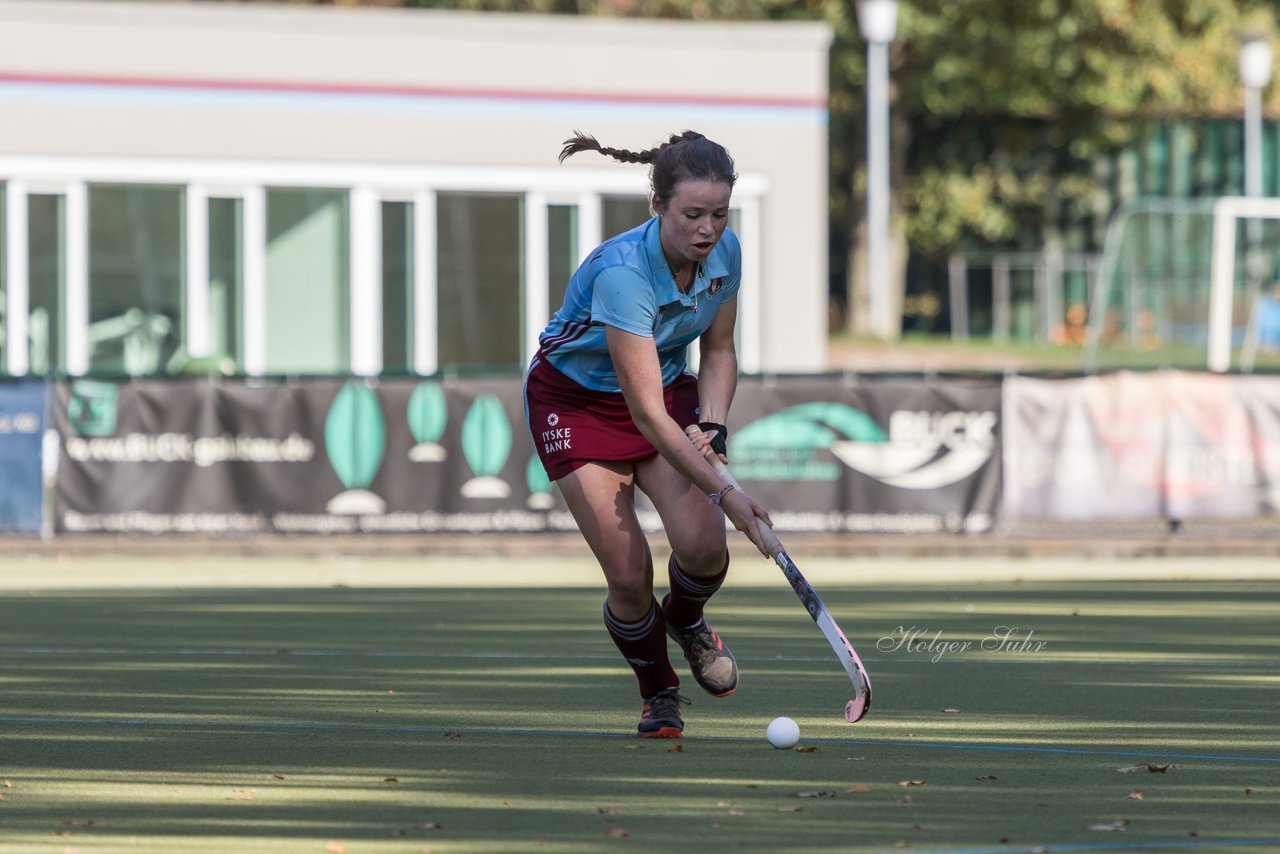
(289, 717)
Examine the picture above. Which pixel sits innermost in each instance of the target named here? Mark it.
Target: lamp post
(1255, 73)
(878, 22)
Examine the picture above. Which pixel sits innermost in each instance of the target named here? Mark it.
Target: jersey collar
(664, 283)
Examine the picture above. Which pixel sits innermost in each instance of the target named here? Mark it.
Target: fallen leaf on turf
(616, 832)
(723, 804)
(1147, 766)
(1109, 826)
(790, 809)
(1135, 795)
(1248, 791)
(635, 747)
(987, 777)
(737, 812)
(275, 777)
(243, 795)
(1003, 840)
(453, 733)
(905, 783)
(806, 749)
(951, 711)
(391, 779)
(822, 794)
(335, 848)
(429, 825)
(676, 748)
(859, 788)
(399, 831)
(609, 810)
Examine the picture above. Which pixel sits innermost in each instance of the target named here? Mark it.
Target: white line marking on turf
(276, 726)
(523, 656)
(1107, 846)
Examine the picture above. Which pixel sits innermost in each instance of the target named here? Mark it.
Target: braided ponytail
(585, 142)
(687, 155)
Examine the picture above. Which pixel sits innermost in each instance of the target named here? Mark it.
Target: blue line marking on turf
(1108, 846)
(440, 730)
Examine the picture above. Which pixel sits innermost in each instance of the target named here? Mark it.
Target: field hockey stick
(861, 702)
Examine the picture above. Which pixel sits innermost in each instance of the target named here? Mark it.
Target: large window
(562, 252)
(623, 213)
(307, 308)
(46, 276)
(479, 285)
(135, 278)
(226, 280)
(397, 287)
(118, 272)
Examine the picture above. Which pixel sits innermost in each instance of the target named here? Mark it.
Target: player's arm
(718, 367)
(635, 361)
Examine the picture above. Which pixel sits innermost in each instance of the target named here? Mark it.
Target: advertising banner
(406, 456)
(870, 455)
(22, 416)
(1170, 444)
(306, 456)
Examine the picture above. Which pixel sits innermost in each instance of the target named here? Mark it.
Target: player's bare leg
(698, 566)
(601, 498)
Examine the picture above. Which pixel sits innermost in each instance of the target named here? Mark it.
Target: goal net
(1196, 280)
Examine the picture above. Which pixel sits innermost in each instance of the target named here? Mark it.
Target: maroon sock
(683, 605)
(644, 645)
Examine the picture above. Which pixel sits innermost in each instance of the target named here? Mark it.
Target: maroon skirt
(573, 426)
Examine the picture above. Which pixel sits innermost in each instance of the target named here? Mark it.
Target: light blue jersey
(626, 284)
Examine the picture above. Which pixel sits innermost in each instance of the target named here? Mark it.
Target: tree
(1000, 107)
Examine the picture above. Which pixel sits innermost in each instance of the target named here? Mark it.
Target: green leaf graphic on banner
(535, 476)
(853, 423)
(427, 412)
(92, 408)
(808, 426)
(486, 444)
(355, 435)
(486, 436)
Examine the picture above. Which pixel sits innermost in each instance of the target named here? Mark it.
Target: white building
(324, 190)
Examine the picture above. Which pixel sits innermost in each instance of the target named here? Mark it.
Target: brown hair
(683, 156)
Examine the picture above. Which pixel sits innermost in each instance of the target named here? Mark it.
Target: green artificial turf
(410, 717)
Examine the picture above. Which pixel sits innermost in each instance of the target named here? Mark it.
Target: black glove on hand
(720, 443)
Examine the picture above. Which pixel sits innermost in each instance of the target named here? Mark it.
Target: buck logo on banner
(872, 455)
(22, 407)
(1170, 444)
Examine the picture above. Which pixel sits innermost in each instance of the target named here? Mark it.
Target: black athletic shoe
(710, 660)
(661, 715)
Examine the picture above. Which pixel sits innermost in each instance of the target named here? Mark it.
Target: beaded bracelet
(716, 497)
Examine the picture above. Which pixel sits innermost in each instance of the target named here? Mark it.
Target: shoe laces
(665, 705)
(700, 641)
